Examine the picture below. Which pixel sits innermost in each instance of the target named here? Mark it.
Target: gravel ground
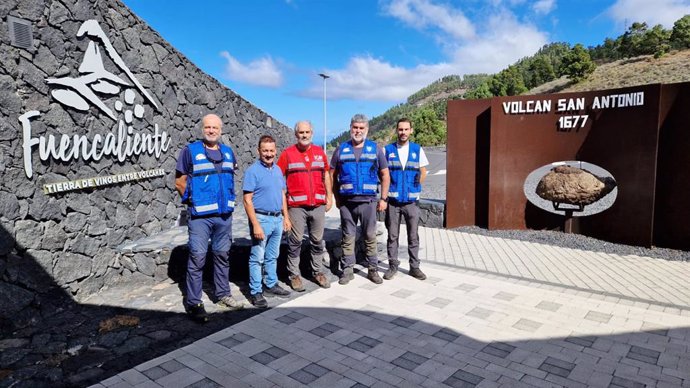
(578, 241)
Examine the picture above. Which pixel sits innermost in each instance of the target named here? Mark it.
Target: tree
(680, 35)
(655, 41)
(577, 64)
(481, 91)
(540, 71)
(508, 82)
(428, 129)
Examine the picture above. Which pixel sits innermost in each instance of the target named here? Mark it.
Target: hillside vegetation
(642, 55)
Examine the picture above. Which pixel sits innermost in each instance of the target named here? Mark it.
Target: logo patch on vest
(414, 155)
(346, 149)
(391, 155)
(368, 149)
(200, 157)
(227, 155)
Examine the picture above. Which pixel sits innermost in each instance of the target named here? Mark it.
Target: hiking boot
(390, 273)
(258, 301)
(229, 303)
(198, 313)
(322, 280)
(296, 283)
(417, 273)
(277, 291)
(347, 275)
(373, 275)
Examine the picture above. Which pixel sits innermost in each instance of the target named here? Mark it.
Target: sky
(376, 53)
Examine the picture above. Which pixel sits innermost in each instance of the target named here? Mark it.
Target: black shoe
(390, 273)
(347, 275)
(277, 291)
(258, 300)
(198, 313)
(417, 273)
(373, 275)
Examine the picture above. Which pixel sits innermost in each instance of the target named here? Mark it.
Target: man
(266, 207)
(407, 163)
(359, 165)
(204, 178)
(305, 167)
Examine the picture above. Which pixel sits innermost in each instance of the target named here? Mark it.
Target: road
(435, 184)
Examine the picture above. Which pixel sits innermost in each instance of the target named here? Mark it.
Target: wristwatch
(384, 199)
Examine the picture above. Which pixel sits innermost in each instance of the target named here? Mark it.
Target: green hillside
(661, 54)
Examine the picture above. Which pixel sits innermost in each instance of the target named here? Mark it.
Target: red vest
(305, 179)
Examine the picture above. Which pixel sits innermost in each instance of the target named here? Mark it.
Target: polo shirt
(267, 184)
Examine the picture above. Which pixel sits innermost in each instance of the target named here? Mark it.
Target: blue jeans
(219, 230)
(265, 252)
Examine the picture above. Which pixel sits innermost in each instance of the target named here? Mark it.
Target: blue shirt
(267, 184)
(184, 161)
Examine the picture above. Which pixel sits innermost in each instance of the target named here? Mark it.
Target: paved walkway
(493, 312)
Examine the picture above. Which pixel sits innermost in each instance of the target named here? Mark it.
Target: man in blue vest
(204, 177)
(407, 164)
(358, 166)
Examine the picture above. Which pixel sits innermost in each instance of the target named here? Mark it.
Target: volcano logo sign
(85, 91)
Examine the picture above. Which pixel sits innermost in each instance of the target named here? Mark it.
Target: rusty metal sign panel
(494, 144)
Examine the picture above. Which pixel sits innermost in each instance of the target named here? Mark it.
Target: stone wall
(121, 78)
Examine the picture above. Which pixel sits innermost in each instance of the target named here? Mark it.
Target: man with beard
(205, 180)
(305, 167)
(359, 165)
(407, 163)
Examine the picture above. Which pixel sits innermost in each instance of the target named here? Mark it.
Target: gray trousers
(394, 215)
(313, 219)
(350, 214)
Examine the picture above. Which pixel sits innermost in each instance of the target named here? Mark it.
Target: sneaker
(417, 273)
(258, 301)
(373, 275)
(390, 273)
(322, 280)
(198, 313)
(229, 303)
(277, 291)
(296, 283)
(347, 275)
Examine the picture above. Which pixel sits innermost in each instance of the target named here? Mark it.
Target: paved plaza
(493, 312)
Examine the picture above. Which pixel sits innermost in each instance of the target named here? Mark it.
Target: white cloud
(367, 78)
(544, 6)
(487, 46)
(422, 14)
(664, 12)
(260, 72)
(505, 41)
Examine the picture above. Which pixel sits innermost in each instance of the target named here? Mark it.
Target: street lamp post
(325, 126)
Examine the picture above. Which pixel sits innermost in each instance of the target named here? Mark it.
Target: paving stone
(557, 367)
(446, 335)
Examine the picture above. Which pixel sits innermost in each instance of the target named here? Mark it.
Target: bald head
(211, 129)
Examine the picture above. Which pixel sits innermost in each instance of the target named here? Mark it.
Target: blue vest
(358, 178)
(211, 192)
(405, 186)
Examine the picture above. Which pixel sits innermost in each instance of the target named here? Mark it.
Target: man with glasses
(358, 166)
(204, 178)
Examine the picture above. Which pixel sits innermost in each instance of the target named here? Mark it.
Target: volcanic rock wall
(94, 108)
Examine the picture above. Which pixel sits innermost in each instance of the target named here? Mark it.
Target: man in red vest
(305, 166)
